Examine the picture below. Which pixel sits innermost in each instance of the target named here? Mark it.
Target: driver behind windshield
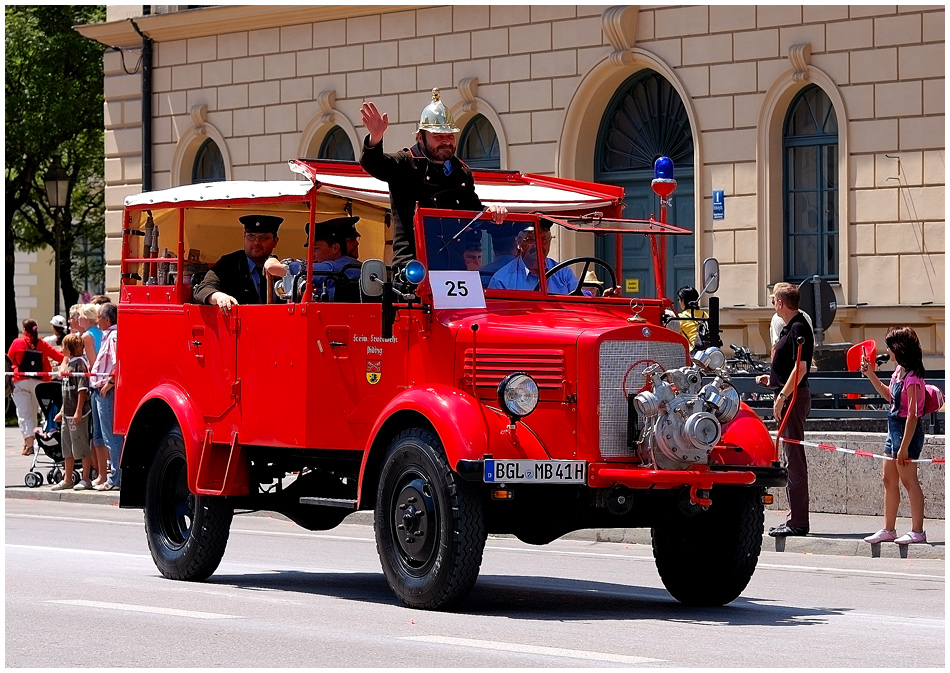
(521, 273)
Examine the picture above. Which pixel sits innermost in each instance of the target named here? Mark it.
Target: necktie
(259, 282)
(447, 167)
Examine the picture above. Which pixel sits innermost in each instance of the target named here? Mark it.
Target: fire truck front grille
(621, 374)
(546, 367)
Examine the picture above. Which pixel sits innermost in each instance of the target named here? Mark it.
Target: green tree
(54, 106)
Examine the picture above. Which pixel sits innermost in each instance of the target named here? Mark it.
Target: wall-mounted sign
(719, 204)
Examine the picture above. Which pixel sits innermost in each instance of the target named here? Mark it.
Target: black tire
(33, 479)
(708, 558)
(187, 534)
(419, 493)
(51, 477)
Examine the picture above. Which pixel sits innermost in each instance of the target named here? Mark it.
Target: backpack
(933, 398)
(32, 361)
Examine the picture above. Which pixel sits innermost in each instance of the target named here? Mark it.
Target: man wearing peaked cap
(237, 278)
(329, 257)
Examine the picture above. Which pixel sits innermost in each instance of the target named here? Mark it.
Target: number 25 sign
(457, 289)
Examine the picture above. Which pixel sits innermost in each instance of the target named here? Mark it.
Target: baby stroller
(49, 395)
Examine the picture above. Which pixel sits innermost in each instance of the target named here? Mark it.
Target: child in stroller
(49, 395)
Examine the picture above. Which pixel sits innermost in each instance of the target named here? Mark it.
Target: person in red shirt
(26, 368)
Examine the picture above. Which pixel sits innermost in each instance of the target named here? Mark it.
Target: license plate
(536, 471)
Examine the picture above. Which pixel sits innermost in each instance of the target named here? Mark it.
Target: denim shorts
(895, 433)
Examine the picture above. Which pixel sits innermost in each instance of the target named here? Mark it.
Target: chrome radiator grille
(621, 373)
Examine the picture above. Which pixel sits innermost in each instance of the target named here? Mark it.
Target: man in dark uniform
(428, 173)
(237, 278)
(330, 254)
(784, 378)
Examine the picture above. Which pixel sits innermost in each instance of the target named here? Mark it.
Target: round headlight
(518, 394)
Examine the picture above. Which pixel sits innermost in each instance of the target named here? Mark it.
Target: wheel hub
(413, 518)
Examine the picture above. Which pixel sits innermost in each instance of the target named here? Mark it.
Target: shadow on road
(543, 598)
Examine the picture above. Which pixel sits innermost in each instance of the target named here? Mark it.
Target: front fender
(748, 432)
(468, 429)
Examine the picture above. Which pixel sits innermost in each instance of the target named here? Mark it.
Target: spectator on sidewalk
(73, 418)
(30, 357)
(905, 435)
(103, 396)
(90, 332)
(60, 330)
(789, 379)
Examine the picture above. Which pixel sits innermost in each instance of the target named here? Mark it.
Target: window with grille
(478, 144)
(209, 164)
(810, 146)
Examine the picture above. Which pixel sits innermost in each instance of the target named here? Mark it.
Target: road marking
(533, 649)
(70, 550)
(853, 571)
(171, 612)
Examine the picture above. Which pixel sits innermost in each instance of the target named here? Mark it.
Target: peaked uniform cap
(335, 230)
(261, 224)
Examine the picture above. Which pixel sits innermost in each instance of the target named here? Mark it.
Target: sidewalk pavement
(831, 534)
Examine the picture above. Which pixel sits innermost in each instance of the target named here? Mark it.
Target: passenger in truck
(330, 265)
(428, 174)
(521, 273)
(237, 278)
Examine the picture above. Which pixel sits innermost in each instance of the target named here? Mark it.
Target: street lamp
(56, 182)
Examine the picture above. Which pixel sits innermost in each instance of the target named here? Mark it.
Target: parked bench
(839, 395)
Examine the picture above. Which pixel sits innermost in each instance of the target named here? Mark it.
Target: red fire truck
(452, 404)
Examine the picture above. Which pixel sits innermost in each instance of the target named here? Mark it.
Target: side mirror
(372, 277)
(710, 275)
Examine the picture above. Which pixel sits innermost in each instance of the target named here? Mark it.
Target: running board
(329, 502)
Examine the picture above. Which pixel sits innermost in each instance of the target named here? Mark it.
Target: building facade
(808, 139)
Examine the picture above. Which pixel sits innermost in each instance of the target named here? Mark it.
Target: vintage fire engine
(450, 407)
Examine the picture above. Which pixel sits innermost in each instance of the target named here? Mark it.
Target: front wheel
(187, 533)
(708, 557)
(430, 529)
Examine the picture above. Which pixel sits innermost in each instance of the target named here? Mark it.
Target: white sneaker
(62, 486)
(83, 485)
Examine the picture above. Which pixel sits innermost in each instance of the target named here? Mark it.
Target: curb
(817, 542)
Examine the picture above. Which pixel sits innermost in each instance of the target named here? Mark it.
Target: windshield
(506, 256)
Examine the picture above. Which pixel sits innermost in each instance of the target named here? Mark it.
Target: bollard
(780, 543)
(876, 550)
(903, 548)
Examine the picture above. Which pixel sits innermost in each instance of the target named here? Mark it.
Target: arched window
(336, 145)
(209, 164)
(478, 144)
(646, 119)
(810, 142)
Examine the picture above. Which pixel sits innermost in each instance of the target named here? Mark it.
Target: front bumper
(605, 475)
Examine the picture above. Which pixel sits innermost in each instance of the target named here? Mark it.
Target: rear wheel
(187, 533)
(708, 558)
(430, 528)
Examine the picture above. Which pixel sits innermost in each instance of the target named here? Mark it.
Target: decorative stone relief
(199, 115)
(467, 88)
(326, 100)
(799, 55)
(620, 26)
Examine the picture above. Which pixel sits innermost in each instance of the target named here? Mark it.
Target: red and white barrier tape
(855, 452)
(40, 375)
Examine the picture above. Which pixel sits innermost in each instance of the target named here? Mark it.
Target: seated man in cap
(237, 277)
(521, 273)
(329, 244)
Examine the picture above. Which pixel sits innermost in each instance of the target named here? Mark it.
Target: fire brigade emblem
(374, 371)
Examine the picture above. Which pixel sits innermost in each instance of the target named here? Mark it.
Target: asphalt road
(81, 591)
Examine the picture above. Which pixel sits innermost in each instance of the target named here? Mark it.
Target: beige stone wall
(33, 282)
(544, 77)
